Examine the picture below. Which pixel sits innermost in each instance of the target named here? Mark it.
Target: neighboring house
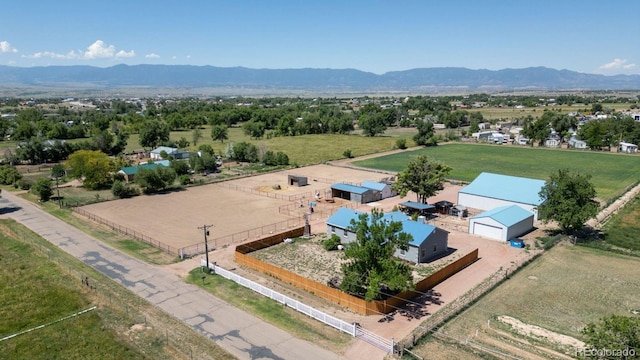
(175, 153)
(358, 194)
(502, 223)
(489, 191)
(627, 147)
(130, 172)
(552, 142)
(429, 242)
(577, 144)
(384, 189)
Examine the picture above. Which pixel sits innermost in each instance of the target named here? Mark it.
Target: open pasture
(561, 291)
(611, 173)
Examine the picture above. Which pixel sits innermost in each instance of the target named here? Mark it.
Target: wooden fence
(242, 256)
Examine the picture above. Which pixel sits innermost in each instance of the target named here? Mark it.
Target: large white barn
(489, 191)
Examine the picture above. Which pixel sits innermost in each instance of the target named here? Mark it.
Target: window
(346, 232)
(423, 253)
(333, 229)
(435, 248)
(403, 252)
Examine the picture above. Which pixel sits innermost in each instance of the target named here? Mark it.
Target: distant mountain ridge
(336, 80)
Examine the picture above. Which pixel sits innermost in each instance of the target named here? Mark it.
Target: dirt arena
(233, 207)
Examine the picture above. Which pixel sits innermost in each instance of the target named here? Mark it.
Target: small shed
(358, 194)
(412, 207)
(384, 188)
(298, 180)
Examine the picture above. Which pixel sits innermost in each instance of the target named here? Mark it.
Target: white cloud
(152, 56)
(97, 50)
(123, 53)
(618, 64)
(5, 47)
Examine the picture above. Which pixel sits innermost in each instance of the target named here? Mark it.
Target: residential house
(429, 242)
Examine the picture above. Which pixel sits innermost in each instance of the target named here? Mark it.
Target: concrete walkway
(242, 334)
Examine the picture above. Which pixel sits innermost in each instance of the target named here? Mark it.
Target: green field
(41, 285)
(611, 173)
(302, 150)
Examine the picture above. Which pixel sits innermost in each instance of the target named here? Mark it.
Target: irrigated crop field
(611, 173)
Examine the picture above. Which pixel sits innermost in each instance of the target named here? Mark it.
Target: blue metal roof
(419, 231)
(350, 188)
(417, 205)
(373, 185)
(505, 187)
(506, 215)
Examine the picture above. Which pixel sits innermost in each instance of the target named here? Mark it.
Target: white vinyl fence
(352, 329)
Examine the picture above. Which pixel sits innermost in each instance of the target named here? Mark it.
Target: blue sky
(600, 37)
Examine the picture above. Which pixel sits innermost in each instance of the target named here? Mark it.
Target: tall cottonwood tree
(423, 176)
(371, 270)
(569, 199)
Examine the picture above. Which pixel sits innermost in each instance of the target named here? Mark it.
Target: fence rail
(349, 328)
(239, 237)
(126, 231)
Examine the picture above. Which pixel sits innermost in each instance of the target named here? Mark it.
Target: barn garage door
(489, 231)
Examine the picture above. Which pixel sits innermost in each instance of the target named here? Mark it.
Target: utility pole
(205, 229)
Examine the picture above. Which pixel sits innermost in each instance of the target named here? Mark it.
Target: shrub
(401, 144)
(22, 184)
(347, 153)
(331, 243)
(42, 188)
(184, 180)
(122, 190)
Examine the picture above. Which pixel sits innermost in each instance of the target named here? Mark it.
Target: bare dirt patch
(540, 333)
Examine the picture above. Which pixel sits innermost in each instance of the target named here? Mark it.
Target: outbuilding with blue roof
(429, 242)
(489, 191)
(502, 223)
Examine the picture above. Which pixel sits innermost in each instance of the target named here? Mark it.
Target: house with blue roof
(175, 153)
(502, 223)
(429, 242)
(489, 191)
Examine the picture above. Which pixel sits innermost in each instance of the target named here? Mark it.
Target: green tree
(616, 334)
(371, 270)
(153, 133)
(43, 189)
(372, 125)
(92, 167)
(122, 190)
(425, 135)
(568, 199)
(423, 176)
(196, 135)
(152, 181)
(219, 133)
(9, 174)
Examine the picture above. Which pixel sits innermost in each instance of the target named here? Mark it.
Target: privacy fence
(243, 257)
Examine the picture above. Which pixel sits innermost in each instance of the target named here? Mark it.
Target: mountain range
(423, 80)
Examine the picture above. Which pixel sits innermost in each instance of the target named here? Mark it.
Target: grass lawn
(561, 291)
(623, 229)
(41, 284)
(611, 173)
(271, 311)
(301, 150)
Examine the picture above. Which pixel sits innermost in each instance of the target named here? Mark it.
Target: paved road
(243, 335)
